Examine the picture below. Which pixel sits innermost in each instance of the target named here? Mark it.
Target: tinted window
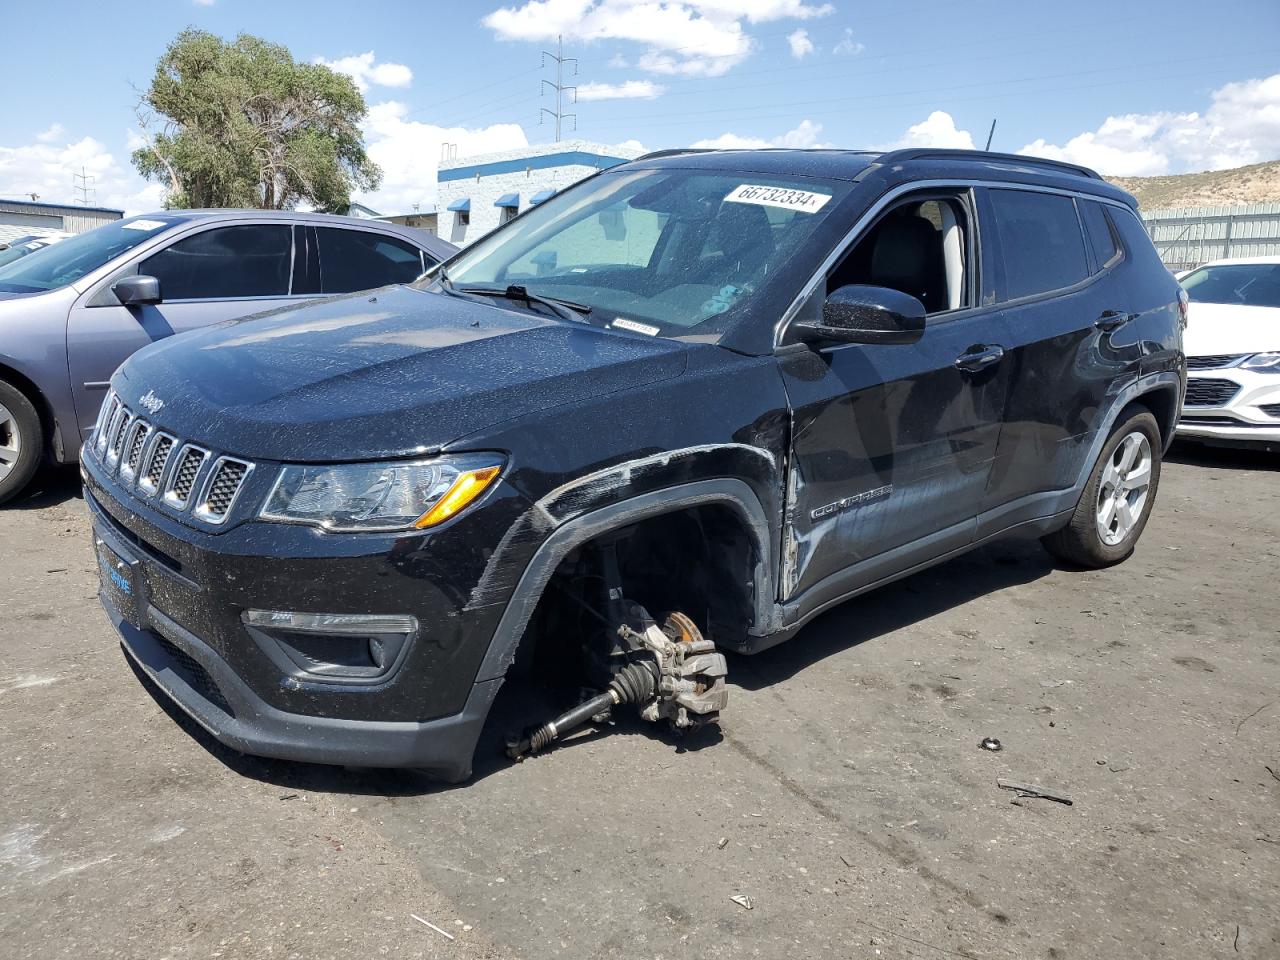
(68, 261)
(1247, 284)
(1099, 232)
(244, 261)
(1042, 242)
(359, 260)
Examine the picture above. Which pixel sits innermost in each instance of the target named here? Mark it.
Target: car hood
(394, 373)
(1229, 328)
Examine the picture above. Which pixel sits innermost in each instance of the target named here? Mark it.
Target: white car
(1232, 344)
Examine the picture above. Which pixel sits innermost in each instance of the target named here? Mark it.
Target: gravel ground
(845, 793)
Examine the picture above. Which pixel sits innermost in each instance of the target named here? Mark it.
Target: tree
(244, 125)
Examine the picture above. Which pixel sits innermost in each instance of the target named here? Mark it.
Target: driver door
(892, 444)
(218, 273)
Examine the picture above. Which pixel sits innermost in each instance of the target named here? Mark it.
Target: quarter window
(1042, 242)
(1099, 232)
(251, 260)
(361, 260)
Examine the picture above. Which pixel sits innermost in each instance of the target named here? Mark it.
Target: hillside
(1257, 183)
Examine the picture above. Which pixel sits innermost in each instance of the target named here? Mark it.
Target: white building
(476, 194)
(21, 218)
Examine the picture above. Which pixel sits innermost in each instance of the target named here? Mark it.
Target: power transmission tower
(83, 185)
(559, 87)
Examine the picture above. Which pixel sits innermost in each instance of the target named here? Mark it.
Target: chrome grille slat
(156, 460)
(136, 444)
(119, 428)
(226, 480)
(105, 413)
(182, 480)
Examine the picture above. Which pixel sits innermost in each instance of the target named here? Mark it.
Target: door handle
(1112, 320)
(980, 357)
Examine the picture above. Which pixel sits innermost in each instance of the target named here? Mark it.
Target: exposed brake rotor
(669, 673)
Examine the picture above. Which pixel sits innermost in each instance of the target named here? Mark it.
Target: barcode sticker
(800, 200)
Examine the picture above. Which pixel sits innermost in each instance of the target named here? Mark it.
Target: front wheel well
(699, 560)
(27, 387)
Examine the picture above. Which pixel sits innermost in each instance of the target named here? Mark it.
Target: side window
(353, 260)
(251, 260)
(1098, 228)
(920, 247)
(306, 261)
(1042, 242)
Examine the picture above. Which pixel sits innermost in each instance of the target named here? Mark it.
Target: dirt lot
(845, 794)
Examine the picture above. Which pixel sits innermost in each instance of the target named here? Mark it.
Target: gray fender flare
(730, 492)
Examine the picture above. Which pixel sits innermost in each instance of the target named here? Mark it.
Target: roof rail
(923, 153)
(674, 152)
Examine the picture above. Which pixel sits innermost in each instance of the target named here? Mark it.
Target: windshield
(20, 249)
(1248, 284)
(670, 252)
(66, 262)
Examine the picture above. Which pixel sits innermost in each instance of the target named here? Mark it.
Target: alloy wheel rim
(1123, 489)
(10, 441)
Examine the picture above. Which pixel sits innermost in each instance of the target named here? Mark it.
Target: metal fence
(1189, 236)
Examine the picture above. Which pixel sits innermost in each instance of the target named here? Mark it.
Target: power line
(83, 185)
(559, 86)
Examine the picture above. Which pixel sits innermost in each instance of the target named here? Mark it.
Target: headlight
(1262, 361)
(361, 497)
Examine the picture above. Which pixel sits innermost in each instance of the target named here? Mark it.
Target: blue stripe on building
(570, 158)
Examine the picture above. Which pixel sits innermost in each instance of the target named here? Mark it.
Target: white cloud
(408, 152)
(364, 69)
(48, 169)
(703, 38)
(805, 134)
(801, 45)
(1240, 126)
(204, 3)
(936, 130)
(628, 90)
(847, 44)
(55, 132)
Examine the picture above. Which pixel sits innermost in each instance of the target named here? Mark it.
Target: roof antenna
(990, 133)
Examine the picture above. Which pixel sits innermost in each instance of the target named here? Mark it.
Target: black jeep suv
(732, 388)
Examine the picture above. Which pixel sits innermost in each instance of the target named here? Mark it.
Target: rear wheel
(1117, 500)
(21, 441)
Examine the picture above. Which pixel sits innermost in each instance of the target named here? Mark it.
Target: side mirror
(865, 314)
(137, 290)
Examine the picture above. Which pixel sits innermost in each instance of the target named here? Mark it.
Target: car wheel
(21, 441)
(1117, 500)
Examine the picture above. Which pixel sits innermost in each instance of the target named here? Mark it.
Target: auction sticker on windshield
(800, 200)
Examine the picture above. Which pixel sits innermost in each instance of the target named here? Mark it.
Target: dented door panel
(890, 444)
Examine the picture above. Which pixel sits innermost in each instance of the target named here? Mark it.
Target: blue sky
(1135, 87)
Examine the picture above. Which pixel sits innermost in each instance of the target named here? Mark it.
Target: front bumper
(1248, 414)
(180, 622)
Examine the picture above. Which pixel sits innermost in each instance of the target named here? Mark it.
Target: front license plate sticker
(801, 201)
(119, 582)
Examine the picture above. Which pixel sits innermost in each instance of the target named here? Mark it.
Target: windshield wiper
(565, 309)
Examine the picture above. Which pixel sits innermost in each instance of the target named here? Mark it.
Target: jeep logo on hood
(151, 402)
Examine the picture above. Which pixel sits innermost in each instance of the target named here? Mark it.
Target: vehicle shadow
(986, 570)
(1236, 458)
(522, 703)
(50, 487)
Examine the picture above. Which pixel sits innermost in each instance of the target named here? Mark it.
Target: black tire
(22, 424)
(1081, 541)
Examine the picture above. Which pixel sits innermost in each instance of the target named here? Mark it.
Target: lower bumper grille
(1271, 409)
(195, 676)
(1215, 360)
(1204, 392)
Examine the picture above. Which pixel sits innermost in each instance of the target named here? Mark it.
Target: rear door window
(1098, 229)
(353, 260)
(1041, 240)
(250, 260)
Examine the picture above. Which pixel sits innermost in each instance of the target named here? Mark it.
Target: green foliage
(244, 125)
